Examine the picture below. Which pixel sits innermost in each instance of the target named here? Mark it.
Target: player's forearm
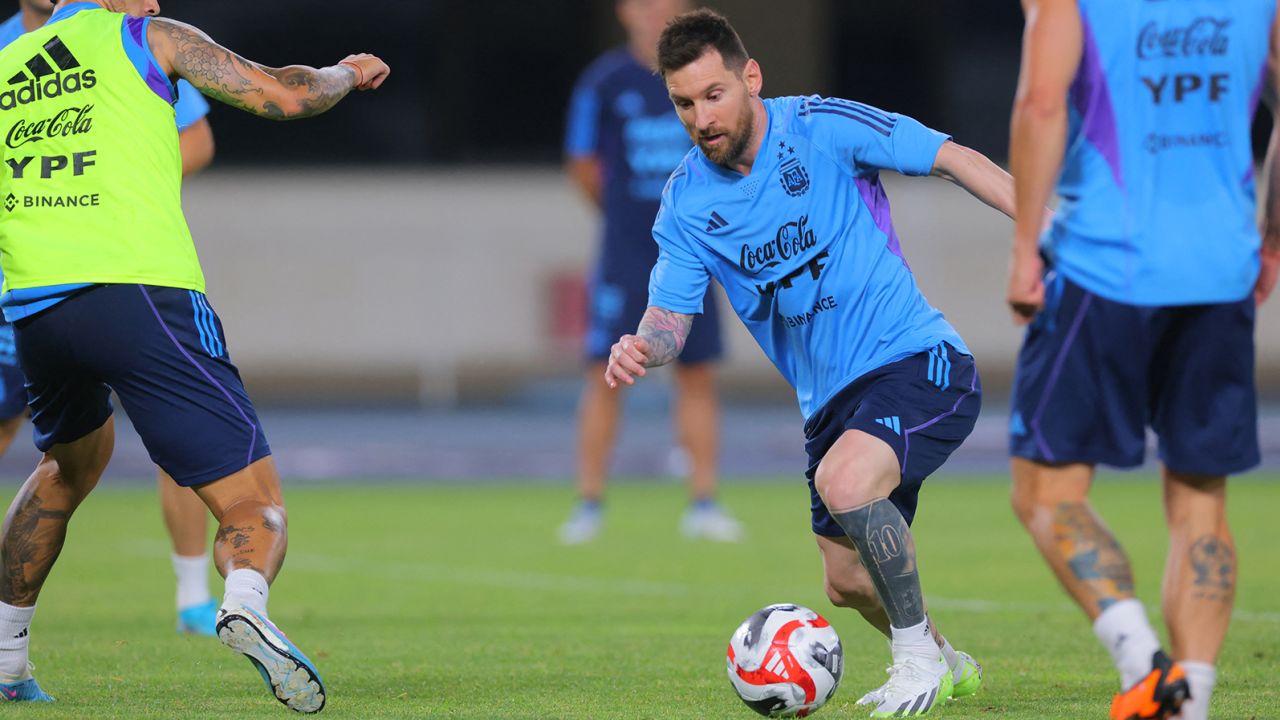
(585, 173)
(665, 333)
(980, 177)
(1271, 208)
(1039, 132)
(285, 93)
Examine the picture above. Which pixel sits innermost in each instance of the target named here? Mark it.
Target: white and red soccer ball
(785, 661)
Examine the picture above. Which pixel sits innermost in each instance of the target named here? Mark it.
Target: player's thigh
(1204, 405)
(858, 468)
(1080, 385)
(921, 408)
(68, 400)
(173, 374)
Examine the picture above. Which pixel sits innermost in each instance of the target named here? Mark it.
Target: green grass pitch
(456, 602)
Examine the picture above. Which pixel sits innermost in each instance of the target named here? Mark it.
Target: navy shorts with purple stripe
(1093, 373)
(162, 350)
(923, 406)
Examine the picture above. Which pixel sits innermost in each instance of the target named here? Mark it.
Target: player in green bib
(105, 292)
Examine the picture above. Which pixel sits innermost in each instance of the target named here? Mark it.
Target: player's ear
(752, 76)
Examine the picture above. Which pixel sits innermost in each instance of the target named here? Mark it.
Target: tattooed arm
(287, 93)
(658, 341)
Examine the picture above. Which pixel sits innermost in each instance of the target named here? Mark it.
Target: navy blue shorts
(1094, 373)
(13, 384)
(618, 304)
(923, 406)
(162, 351)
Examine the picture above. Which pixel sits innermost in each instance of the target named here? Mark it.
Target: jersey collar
(67, 11)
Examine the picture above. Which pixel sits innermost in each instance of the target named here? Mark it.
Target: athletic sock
(15, 625)
(915, 641)
(248, 588)
(949, 654)
(193, 579)
(1201, 677)
(1125, 631)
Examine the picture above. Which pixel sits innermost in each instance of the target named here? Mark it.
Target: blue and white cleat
(287, 672)
(199, 619)
(25, 690)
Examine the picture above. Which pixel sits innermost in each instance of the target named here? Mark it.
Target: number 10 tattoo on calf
(888, 553)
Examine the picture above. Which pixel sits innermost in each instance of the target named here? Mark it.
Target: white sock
(1201, 677)
(193, 579)
(1125, 631)
(916, 641)
(949, 654)
(15, 626)
(247, 588)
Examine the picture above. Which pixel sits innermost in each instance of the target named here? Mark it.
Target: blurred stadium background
(401, 279)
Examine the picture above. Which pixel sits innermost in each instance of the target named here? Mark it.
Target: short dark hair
(689, 37)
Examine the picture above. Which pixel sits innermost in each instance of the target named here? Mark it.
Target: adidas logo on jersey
(40, 80)
(716, 222)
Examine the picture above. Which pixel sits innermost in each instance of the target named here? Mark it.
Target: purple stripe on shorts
(906, 436)
(1092, 99)
(253, 429)
(877, 203)
(1053, 375)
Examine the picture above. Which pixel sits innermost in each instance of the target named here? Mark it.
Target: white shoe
(582, 526)
(288, 673)
(915, 687)
(710, 522)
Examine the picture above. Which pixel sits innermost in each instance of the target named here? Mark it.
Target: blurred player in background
(781, 202)
(622, 143)
(186, 517)
(105, 292)
(1143, 294)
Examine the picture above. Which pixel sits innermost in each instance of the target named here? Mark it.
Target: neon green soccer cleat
(967, 677)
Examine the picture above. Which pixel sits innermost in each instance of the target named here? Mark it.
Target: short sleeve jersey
(1157, 185)
(804, 245)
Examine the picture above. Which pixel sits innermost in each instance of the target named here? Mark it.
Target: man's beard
(735, 144)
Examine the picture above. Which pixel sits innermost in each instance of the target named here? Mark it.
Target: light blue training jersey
(1157, 186)
(804, 245)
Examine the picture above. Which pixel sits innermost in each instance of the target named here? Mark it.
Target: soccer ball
(785, 661)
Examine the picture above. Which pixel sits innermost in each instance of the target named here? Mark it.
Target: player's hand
(1026, 285)
(1267, 275)
(371, 72)
(626, 361)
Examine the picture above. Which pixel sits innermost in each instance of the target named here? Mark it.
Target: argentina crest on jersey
(795, 179)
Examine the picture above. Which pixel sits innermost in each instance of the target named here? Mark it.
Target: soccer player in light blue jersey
(781, 203)
(1142, 298)
(186, 517)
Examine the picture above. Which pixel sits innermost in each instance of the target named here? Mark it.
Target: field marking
(524, 580)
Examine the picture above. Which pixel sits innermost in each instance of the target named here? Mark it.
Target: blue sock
(704, 504)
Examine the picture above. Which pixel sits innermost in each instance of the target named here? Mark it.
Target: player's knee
(1023, 501)
(844, 484)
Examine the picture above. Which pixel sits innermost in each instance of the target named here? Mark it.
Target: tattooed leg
(252, 529)
(884, 541)
(854, 480)
(1052, 502)
(1200, 574)
(36, 525)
